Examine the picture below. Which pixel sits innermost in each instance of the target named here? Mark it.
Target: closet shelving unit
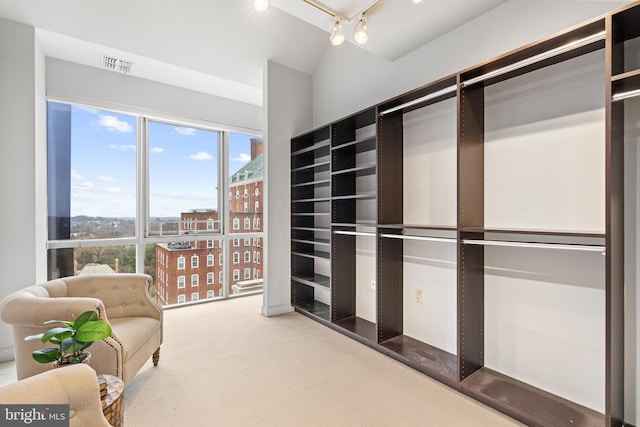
(353, 221)
(310, 221)
(519, 250)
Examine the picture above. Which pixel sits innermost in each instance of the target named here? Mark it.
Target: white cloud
(75, 174)
(87, 185)
(122, 147)
(104, 178)
(185, 131)
(156, 150)
(115, 190)
(201, 155)
(242, 157)
(112, 124)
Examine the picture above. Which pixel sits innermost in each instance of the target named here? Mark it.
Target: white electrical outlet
(419, 296)
(373, 283)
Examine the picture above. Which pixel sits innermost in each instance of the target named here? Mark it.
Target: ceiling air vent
(116, 64)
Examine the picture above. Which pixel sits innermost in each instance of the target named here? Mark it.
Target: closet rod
(354, 233)
(625, 95)
(537, 58)
(428, 97)
(430, 239)
(592, 248)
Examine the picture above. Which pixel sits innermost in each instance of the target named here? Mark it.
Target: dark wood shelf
(534, 232)
(310, 214)
(527, 403)
(315, 310)
(363, 170)
(318, 183)
(314, 200)
(317, 146)
(314, 254)
(313, 242)
(424, 357)
(360, 145)
(319, 166)
(358, 326)
(313, 280)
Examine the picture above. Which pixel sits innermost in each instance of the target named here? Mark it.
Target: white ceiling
(221, 46)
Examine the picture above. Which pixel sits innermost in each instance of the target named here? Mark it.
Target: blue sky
(183, 165)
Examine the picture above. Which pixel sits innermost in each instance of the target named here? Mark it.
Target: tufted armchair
(75, 386)
(121, 299)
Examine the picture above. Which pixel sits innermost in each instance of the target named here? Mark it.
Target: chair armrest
(74, 385)
(25, 309)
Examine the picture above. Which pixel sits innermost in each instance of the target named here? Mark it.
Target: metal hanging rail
(537, 58)
(590, 248)
(425, 238)
(425, 98)
(625, 95)
(354, 233)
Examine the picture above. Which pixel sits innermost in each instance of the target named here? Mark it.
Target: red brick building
(193, 270)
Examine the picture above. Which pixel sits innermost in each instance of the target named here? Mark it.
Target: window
(194, 280)
(257, 260)
(257, 224)
(246, 207)
(96, 157)
(247, 223)
(181, 299)
(257, 207)
(236, 257)
(257, 191)
(210, 278)
(220, 259)
(236, 242)
(211, 294)
(247, 256)
(247, 273)
(257, 274)
(194, 296)
(221, 277)
(236, 275)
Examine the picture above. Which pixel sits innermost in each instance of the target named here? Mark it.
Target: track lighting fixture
(337, 34)
(361, 33)
(261, 5)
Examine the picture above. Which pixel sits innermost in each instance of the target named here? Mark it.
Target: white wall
(83, 84)
(21, 76)
(287, 102)
(349, 79)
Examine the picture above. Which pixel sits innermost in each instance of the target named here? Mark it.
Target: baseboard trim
(277, 310)
(7, 354)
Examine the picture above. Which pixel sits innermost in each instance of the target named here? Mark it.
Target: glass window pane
(91, 160)
(183, 180)
(92, 260)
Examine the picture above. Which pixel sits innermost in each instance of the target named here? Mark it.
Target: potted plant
(71, 340)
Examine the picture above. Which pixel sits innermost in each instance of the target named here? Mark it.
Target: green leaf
(64, 322)
(33, 337)
(55, 335)
(85, 317)
(95, 330)
(46, 355)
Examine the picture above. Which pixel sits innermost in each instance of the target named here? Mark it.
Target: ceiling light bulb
(261, 5)
(337, 35)
(361, 35)
(416, 1)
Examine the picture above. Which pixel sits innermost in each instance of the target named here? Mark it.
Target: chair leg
(156, 357)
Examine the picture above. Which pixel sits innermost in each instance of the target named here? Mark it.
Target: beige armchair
(76, 386)
(121, 299)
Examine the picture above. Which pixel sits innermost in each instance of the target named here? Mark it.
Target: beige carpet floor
(224, 364)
